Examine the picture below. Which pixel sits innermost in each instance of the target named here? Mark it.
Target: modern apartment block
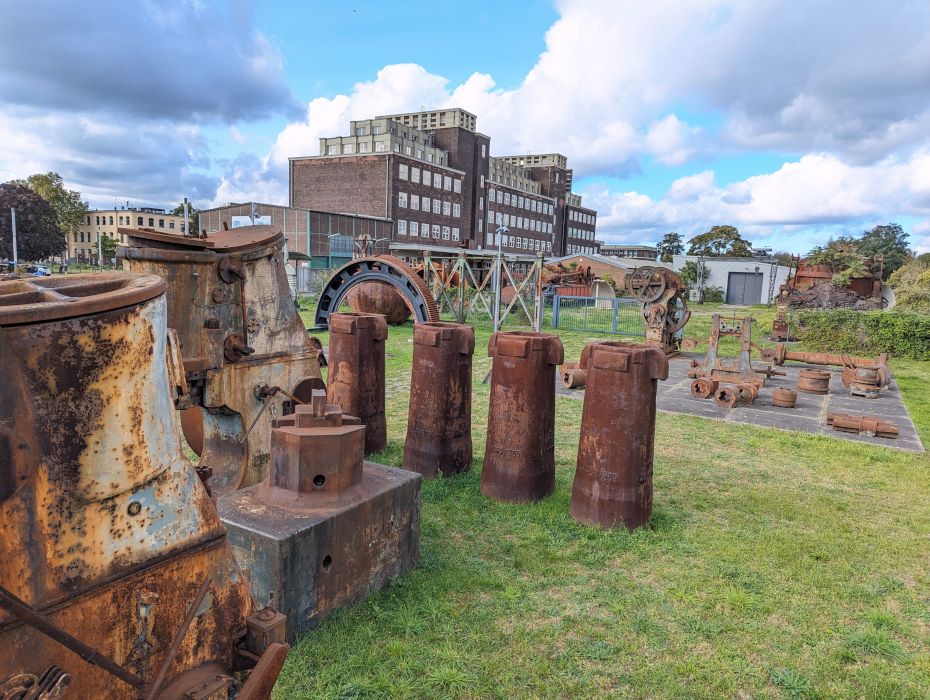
(432, 173)
(82, 243)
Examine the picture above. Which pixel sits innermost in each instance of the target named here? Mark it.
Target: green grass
(776, 564)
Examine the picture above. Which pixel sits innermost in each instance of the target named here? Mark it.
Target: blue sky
(793, 124)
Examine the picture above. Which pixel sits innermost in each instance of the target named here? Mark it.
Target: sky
(794, 122)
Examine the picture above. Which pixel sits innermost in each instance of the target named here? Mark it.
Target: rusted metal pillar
(439, 417)
(519, 459)
(613, 482)
(356, 372)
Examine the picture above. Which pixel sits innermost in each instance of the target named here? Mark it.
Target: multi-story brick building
(638, 252)
(82, 243)
(432, 174)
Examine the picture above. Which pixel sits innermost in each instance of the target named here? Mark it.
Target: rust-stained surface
(105, 529)
(326, 528)
(868, 426)
(356, 372)
(229, 302)
(704, 387)
(519, 459)
(663, 296)
(736, 369)
(727, 396)
(784, 398)
(613, 481)
(574, 378)
(439, 416)
(862, 376)
(813, 381)
(379, 298)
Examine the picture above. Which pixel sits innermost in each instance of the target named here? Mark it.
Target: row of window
(437, 206)
(437, 180)
(91, 239)
(581, 249)
(415, 229)
(583, 234)
(503, 219)
(581, 216)
(102, 221)
(519, 202)
(494, 239)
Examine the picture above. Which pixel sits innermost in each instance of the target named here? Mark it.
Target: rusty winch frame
(663, 296)
(246, 354)
(738, 369)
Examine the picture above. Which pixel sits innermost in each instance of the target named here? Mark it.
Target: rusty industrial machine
(439, 415)
(663, 296)
(356, 372)
(325, 528)
(862, 376)
(866, 426)
(116, 579)
(519, 457)
(246, 354)
(613, 481)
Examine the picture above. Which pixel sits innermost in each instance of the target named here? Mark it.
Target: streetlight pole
(501, 230)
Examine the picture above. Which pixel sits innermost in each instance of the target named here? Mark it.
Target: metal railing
(598, 315)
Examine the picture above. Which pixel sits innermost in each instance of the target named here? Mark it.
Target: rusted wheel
(704, 388)
(647, 283)
(727, 396)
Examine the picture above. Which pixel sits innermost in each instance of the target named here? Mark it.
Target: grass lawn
(776, 565)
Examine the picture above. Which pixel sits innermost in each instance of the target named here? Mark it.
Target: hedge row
(866, 332)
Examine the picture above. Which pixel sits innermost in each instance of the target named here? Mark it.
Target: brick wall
(354, 184)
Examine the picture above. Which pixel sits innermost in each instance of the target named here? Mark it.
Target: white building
(744, 281)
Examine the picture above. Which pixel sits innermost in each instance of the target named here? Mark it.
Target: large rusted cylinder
(439, 417)
(613, 482)
(356, 372)
(379, 298)
(813, 381)
(519, 458)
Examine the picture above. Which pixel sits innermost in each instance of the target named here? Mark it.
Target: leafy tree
(888, 240)
(689, 273)
(671, 244)
(193, 214)
(38, 235)
(721, 241)
(108, 247)
(911, 284)
(69, 209)
(784, 258)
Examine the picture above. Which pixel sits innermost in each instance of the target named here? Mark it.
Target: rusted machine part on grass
(866, 382)
(379, 298)
(107, 531)
(439, 415)
(356, 372)
(689, 343)
(784, 398)
(781, 353)
(868, 426)
(613, 481)
(738, 369)
(663, 296)
(238, 329)
(781, 330)
(519, 457)
(574, 378)
(326, 528)
(386, 269)
(704, 387)
(727, 396)
(813, 381)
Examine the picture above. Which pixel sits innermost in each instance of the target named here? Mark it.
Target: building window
(396, 148)
(490, 216)
(447, 183)
(415, 202)
(419, 153)
(425, 203)
(402, 199)
(347, 148)
(455, 233)
(414, 229)
(332, 150)
(484, 150)
(377, 130)
(500, 197)
(363, 147)
(414, 175)
(499, 219)
(519, 222)
(402, 171)
(379, 146)
(98, 221)
(480, 225)
(482, 181)
(506, 199)
(151, 222)
(161, 223)
(435, 230)
(456, 209)
(437, 181)
(171, 225)
(457, 185)
(361, 131)
(437, 206)
(121, 221)
(445, 233)
(446, 208)
(139, 221)
(491, 194)
(429, 157)
(481, 203)
(401, 227)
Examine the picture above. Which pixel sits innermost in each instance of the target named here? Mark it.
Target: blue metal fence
(598, 315)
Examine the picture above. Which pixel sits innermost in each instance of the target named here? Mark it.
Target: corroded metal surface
(869, 426)
(326, 528)
(704, 388)
(813, 381)
(439, 416)
(784, 398)
(736, 369)
(727, 396)
(107, 531)
(519, 458)
(229, 302)
(574, 378)
(613, 482)
(379, 298)
(663, 296)
(356, 372)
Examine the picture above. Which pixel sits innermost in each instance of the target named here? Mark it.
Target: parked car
(37, 270)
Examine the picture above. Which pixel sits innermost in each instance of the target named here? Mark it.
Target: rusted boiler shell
(784, 398)
(379, 298)
(439, 416)
(519, 458)
(613, 481)
(356, 372)
(813, 381)
(106, 528)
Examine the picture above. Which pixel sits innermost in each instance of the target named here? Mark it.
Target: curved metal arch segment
(365, 270)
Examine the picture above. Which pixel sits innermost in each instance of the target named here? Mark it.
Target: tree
(108, 247)
(888, 240)
(671, 244)
(69, 209)
(721, 241)
(38, 235)
(193, 214)
(784, 258)
(911, 284)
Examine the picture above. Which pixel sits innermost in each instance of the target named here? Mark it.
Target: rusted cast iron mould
(379, 298)
(356, 372)
(519, 457)
(727, 396)
(866, 382)
(229, 301)
(574, 378)
(613, 481)
(868, 426)
(704, 388)
(813, 381)
(439, 416)
(784, 398)
(109, 538)
(663, 296)
(738, 369)
(326, 528)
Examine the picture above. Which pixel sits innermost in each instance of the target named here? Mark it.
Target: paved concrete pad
(810, 414)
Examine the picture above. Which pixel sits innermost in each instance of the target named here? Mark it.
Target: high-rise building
(432, 173)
